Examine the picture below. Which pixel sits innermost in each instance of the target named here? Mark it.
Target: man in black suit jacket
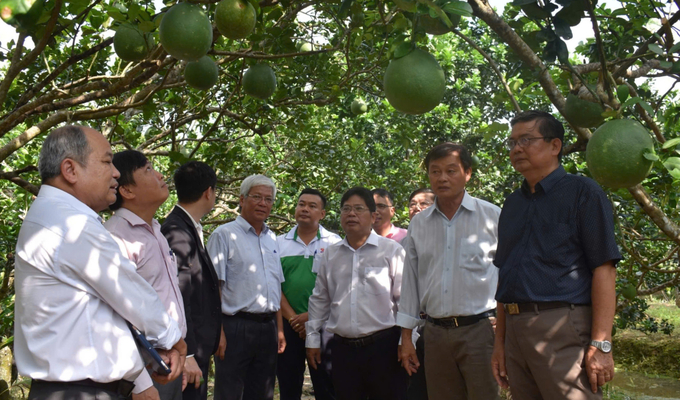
(195, 184)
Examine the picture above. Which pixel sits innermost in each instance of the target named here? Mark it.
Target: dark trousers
(417, 386)
(291, 367)
(191, 393)
(171, 390)
(41, 390)
(369, 372)
(248, 371)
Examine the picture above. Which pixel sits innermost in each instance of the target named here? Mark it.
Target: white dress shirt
(449, 269)
(197, 225)
(248, 267)
(356, 291)
(74, 291)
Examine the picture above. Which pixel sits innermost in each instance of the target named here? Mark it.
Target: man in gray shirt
(449, 274)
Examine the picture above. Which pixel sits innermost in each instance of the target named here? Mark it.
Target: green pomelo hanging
(131, 44)
(235, 19)
(359, 107)
(259, 81)
(186, 32)
(616, 153)
(415, 83)
(583, 113)
(201, 74)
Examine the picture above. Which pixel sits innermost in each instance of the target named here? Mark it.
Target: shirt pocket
(377, 280)
(474, 253)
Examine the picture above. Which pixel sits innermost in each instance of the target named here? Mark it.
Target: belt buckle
(513, 308)
(455, 321)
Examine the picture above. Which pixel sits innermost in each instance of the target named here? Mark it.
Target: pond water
(642, 387)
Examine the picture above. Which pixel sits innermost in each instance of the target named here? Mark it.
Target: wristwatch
(604, 346)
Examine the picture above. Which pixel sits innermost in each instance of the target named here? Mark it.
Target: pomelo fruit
(186, 32)
(131, 44)
(235, 19)
(415, 83)
(259, 81)
(303, 47)
(583, 113)
(629, 292)
(359, 107)
(435, 26)
(615, 153)
(201, 74)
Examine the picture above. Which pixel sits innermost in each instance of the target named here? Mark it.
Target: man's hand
(149, 394)
(298, 324)
(407, 356)
(599, 367)
(282, 342)
(222, 347)
(175, 358)
(498, 365)
(192, 372)
(313, 357)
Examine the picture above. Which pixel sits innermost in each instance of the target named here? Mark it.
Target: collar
(468, 203)
(546, 183)
(295, 233)
(373, 240)
(197, 225)
(245, 225)
(54, 193)
(132, 218)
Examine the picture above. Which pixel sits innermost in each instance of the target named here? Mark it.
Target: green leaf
(562, 28)
(665, 64)
(147, 26)
(671, 143)
(651, 156)
(675, 173)
(655, 48)
(458, 7)
(672, 163)
(647, 107)
(344, 7)
(674, 49)
(402, 50)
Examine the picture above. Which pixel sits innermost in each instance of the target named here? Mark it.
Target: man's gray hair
(257, 180)
(66, 142)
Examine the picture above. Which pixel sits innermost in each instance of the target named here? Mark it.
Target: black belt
(455, 322)
(263, 317)
(516, 308)
(365, 340)
(121, 387)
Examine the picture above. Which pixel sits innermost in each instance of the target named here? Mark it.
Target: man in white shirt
(246, 257)
(141, 190)
(72, 339)
(301, 248)
(356, 294)
(449, 275)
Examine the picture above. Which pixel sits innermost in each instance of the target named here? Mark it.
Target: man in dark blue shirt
(556, 257)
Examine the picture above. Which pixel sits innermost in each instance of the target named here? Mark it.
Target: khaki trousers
(544, 354)
(458, 362)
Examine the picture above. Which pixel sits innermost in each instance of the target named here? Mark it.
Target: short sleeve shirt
(550, 241)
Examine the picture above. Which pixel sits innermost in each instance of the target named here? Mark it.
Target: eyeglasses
(422, 204)
(382, 206)
(356, 209)
(522, 142)
(257, 198)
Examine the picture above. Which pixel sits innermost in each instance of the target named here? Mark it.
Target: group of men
(469, 298)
